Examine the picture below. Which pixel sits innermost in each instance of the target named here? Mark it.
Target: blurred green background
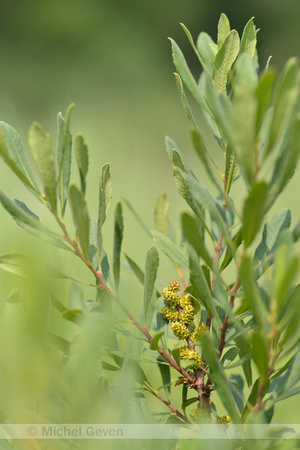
(112, 59)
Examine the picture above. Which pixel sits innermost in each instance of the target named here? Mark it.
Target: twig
(166, 402)
(103, 285)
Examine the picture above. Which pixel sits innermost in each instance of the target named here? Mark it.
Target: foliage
(231, 325)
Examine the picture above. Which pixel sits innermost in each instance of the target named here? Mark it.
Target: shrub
(228, 326)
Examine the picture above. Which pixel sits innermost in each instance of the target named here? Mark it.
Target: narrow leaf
(12, 151)
(289, 378)
(152, 262)
(155, 340)
(260, 353)
(42, 153)
(224, 60)
(243, 344)
(248, 40)
(166, 376)
(204, 197)
(223, 29)
(253, 212)
(253, 298)
(186, 75)
(63, 150)
(185, 104)
(205, 157)
(200, 284)
(218, 377)
(272, 229)
(192, 235)
(244, 117)
(136, 270)
(161, 220)
(170, 249)
(118, 237)
(15, 263)
(81, 152)
(284, 104)
(81, 218)
(105, 193)
(137, 217)
(207, 50)
(29, 221)
(236, 242)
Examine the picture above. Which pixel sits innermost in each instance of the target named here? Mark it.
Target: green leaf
(236, 242)
(224, 60)
(207, 50)
(253, 397)
(243, 344)
(285, 103)
(161, 219)
(248, 40)
(204, 197)
(62, 344)
(118, 237)
(253, 298)
(229, 356)
(186, 75)
(231, 169)
(152, 262)
(74, 315)
(137, 217)
(204, 155)
(170, 249)
(30, 222)
(64, 155)
(221, 108)
(244, 117)
(136, 269)
(81, 218)
(286, 381)
(154, 343)
(200, 284)
(260, 353)
(179, 169)
(287, 160)
(12, 151)
(139, 411)
(218, 377)
(254, 211)
(43, 156)
(15, 263)
(191, 232)
(285, 271)
(82, 158)
(13, 311)
(184, 101)
(223, 29)
(272, 229)
(105, 194)
(263, 94)
(166, 376)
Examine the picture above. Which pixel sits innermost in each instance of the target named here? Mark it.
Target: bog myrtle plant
(226, 327)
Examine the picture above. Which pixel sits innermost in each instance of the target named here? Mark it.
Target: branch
(166, 402)
(103, 285)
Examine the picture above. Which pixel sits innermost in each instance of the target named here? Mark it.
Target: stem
(216, 260)
(98, 275)
(166, 402)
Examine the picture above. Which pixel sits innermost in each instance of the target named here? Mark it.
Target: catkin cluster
(180, 313)
(180, 310)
